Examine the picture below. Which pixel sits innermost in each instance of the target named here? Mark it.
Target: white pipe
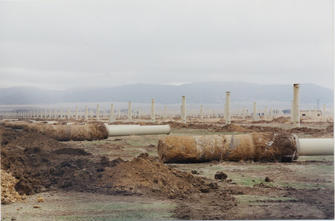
(227, 108)
(124, 130)
(296, 112)
(315, 146)
(153, 114)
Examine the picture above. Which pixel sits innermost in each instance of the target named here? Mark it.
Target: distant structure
(183, 109)
(295, 106)
(311, 115)
(227, 109)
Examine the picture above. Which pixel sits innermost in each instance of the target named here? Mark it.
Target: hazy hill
(211, 92)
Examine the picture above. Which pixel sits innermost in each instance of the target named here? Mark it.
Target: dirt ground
(142, 188)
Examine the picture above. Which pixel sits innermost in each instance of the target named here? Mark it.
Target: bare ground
(303, 189)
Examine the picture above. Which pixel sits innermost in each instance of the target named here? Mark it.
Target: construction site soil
(40, 163)
(33, 163)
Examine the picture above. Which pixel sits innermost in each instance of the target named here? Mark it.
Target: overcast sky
(65, 44)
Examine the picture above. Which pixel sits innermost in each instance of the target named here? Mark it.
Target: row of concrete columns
(268, 115)
(68, 115)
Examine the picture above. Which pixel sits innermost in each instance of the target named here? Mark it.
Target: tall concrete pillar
(111, 114)
(153, 114)
(296, 111)
(227, 108)
(245, 112)
(324, 114)
(86, 113)
(266, 114)
(76, 113)
(130, 117)
(254, 114)
(271, 114)
(68, 116)
(165, 112)
(201, 112)
(119, 114)
(183, 109)
(139, 113)
(97, 114)
(292, 111)
(56, 114)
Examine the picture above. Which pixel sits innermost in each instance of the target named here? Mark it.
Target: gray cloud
(64, 44)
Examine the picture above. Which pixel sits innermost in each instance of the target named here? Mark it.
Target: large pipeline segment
(91, 131)
(77, 132)
(256, 146)
(125, 130)
(315, 146)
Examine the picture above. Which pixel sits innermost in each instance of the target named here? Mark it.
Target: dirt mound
(305, 130)
(232, 128)
(41, 163)
(8, 192)
(265, 129)
(146, 174)
(217, 127)
(281, 120)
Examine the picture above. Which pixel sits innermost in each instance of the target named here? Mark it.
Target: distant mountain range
(209, 92)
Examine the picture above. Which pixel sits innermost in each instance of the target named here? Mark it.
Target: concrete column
(153, 114)
(271, 114)
(227, 108)
(245, 112)
(266, 114)
(296, 111)
(68, 116)
(76, 113)
(201, 112)
(111, 114)
(98, 112)
(130, 117)
(183, 109)
(119, 114)
(254, 114)
(292, 111)
(324, 116)
(165, 112)
(86, 113)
